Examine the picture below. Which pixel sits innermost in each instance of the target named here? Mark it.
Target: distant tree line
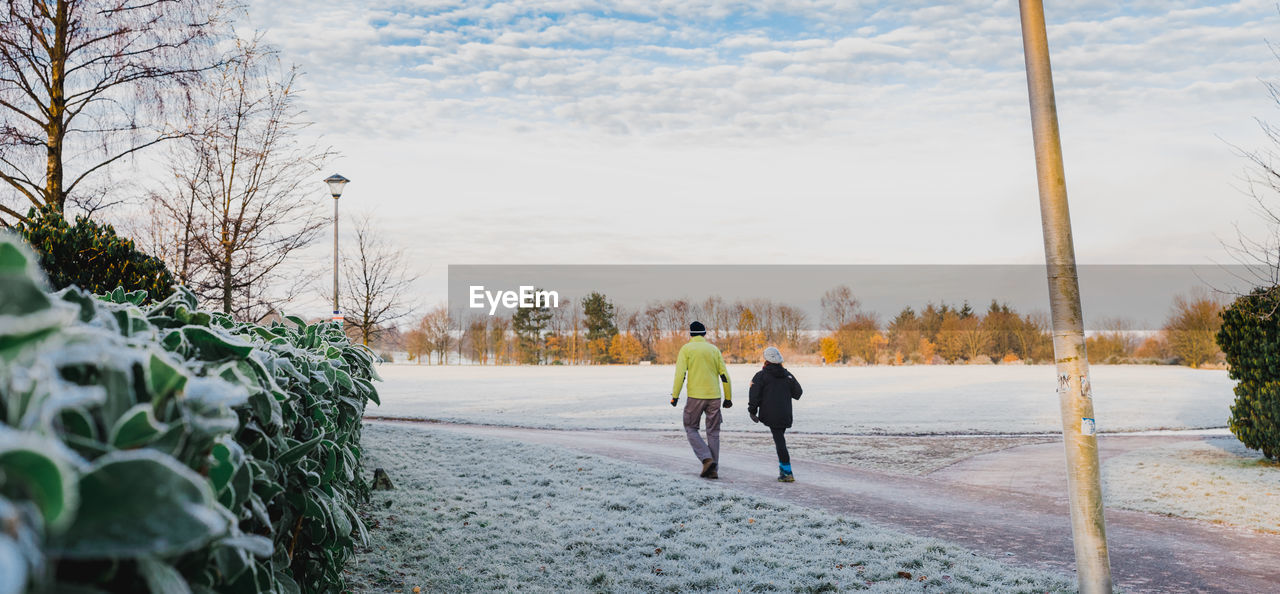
(596, 331)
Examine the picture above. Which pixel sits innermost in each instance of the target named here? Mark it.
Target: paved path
(1008, 505)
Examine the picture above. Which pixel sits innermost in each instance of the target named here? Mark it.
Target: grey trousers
(694, 408)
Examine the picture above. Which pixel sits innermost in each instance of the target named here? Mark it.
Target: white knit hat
(773, 355)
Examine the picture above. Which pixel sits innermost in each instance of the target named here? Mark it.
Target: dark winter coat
(772, 390)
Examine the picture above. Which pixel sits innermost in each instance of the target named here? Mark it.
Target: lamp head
(336, 183)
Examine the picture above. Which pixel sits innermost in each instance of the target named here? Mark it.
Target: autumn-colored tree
(830, 349)
(1192, 328)
(417, 344)
(931, 317)
(904, 332)
(975, 337)
(1113, 343)
(927, 351)
(860, 337)
(951, 346)
(666, 349)
(575, 346)
(598, 350)
(1033, 340)
(1001, 324)
(625, 348)
(749, 341)
(554, 347)
(1154, 348)
(499, 340)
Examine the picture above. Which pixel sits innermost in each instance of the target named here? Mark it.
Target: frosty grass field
(488, 514)
(475, 515)
(916, 399)
(1217, 480)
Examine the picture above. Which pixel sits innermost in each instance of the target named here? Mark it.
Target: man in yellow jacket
(700, 362)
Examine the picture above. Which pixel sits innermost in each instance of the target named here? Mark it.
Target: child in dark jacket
(769, 402)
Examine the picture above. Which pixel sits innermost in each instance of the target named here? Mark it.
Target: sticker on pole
(1088, 426)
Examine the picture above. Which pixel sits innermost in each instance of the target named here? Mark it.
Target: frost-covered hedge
(168, 449)
(1250, 338)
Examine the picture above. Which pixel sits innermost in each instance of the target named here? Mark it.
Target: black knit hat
(697, 329)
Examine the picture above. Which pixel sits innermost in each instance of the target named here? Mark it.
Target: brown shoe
(708, 465)
(713, 475)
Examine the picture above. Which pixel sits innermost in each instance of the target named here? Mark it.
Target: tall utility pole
(1088, 528)
(336, 183)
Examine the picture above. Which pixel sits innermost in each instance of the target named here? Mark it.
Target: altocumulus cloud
(725, 68)
(570, 131)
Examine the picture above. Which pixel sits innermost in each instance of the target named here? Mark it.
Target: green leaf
(164, 379)
(161, 577)
(136, 427)
(371, 391)
(330, 454)
(296, 453)
(140, 503)
(86, 302)
(225, 458)
(31, 464)
(78, 422)
(212, 346)
(258, 546)
(15, 260)
(286, 585)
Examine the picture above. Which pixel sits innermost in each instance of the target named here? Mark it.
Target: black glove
(674, 400)
(751, 413)
(728, 403)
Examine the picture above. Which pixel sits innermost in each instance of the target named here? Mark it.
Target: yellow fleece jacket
(702, 363)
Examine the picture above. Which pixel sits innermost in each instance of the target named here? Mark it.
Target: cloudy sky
(779, 131)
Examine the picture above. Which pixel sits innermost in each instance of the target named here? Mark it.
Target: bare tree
(437, 329)
(791, 323)
(838, 307)
(376, 283)
(240, 195)
(174, 220)
(476, 337)
(719, 317)
(86, 83)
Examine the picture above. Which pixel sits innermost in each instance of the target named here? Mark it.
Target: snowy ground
(474, 514)
(1218, 480)
(919, 399)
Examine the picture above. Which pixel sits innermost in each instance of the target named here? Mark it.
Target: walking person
(770, 395)
(700, 363)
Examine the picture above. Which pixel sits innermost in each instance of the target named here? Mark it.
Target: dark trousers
(780, 443)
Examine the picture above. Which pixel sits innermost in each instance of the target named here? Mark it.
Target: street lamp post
(1084, 485)
(336, 183)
